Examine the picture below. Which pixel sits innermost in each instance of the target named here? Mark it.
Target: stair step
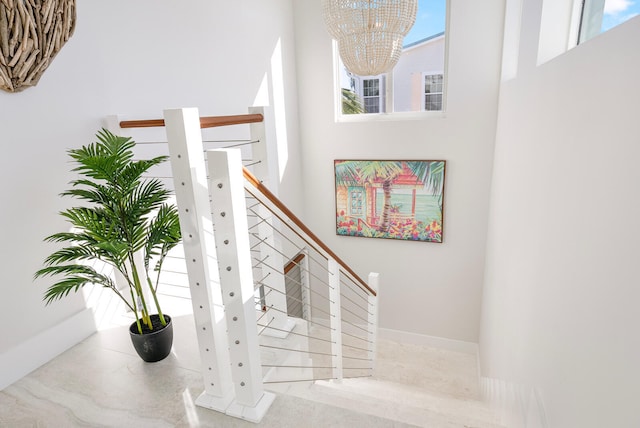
(403, 403)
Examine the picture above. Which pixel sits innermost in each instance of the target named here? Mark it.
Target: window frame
(581, 30)
(424, 93)
(388, 89)
(380, 96)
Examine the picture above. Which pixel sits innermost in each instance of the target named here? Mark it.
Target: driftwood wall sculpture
(32, 32)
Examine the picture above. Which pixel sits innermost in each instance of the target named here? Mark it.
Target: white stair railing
(248, 341)
(192, 196)
(335, 319)
(229, 210)
(340, 320)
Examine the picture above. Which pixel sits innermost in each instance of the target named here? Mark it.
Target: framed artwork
(392, 199)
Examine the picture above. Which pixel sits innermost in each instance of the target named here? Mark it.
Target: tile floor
(101, 382)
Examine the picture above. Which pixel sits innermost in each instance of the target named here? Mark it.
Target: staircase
(327, 351)
(413, 385)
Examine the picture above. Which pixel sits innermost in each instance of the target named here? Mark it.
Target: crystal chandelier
(369, 32)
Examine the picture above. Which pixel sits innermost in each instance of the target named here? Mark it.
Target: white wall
(560, 310)
(429, 289)
(134, 58)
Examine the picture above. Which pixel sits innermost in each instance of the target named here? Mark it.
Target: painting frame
(390, 199)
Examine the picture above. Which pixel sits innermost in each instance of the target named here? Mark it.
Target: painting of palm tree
(396, 199)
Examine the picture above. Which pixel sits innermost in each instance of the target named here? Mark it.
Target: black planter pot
(153, 345)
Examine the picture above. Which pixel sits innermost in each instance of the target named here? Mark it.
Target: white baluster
(372, 325)
(335, 312)
(189, 175)
(228, 205)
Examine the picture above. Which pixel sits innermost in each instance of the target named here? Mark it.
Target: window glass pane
(372, 105)
(371, 95)
(433, 92)
(599, 16)
(371, 87)
(433, 102)
(423, 53)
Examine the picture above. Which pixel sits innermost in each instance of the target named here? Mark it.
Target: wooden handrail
(291, 216)
(293, 263)
(205, 121)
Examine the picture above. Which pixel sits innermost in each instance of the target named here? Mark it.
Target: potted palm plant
(126, 222)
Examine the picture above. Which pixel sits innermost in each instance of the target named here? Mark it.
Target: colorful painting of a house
(390, 199)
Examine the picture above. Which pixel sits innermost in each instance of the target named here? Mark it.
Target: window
(405, 88)
(371, 95)
(598, 16)
(433, 87)
(356, 196)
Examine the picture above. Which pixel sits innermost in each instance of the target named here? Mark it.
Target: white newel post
(372, 336)
(264, 152)
(265, 157)
(189, 175)
(335, 313)
(112, 124)
(226, 184)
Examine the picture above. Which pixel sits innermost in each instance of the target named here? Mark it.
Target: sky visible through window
(618, 11)
(430, 20)
(402, 90)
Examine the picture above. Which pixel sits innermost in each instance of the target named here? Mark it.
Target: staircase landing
(101, 382)
(413, 385)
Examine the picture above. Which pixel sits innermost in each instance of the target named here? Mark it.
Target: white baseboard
(22, 359)
(515, 405)
(431, 341)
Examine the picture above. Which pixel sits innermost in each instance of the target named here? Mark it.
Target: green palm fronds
(351, 103)
(125, 213)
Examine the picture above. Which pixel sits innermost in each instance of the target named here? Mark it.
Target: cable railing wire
(262, 279)
(357, 337)
(316, 258)
(321, 265)
(354, 325)
(321, 280)
(304, 233)
(296, 299)
(299, 334)
(307, 288)
(355, 304)
(276, 270)
(263, 220)
(357, 291)
(357, 358)
(298, 367)
(265, 326)
(348, 286)
(299, 302)
(298, 380)
(355, 347)
(355, 315)
(297, 350)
